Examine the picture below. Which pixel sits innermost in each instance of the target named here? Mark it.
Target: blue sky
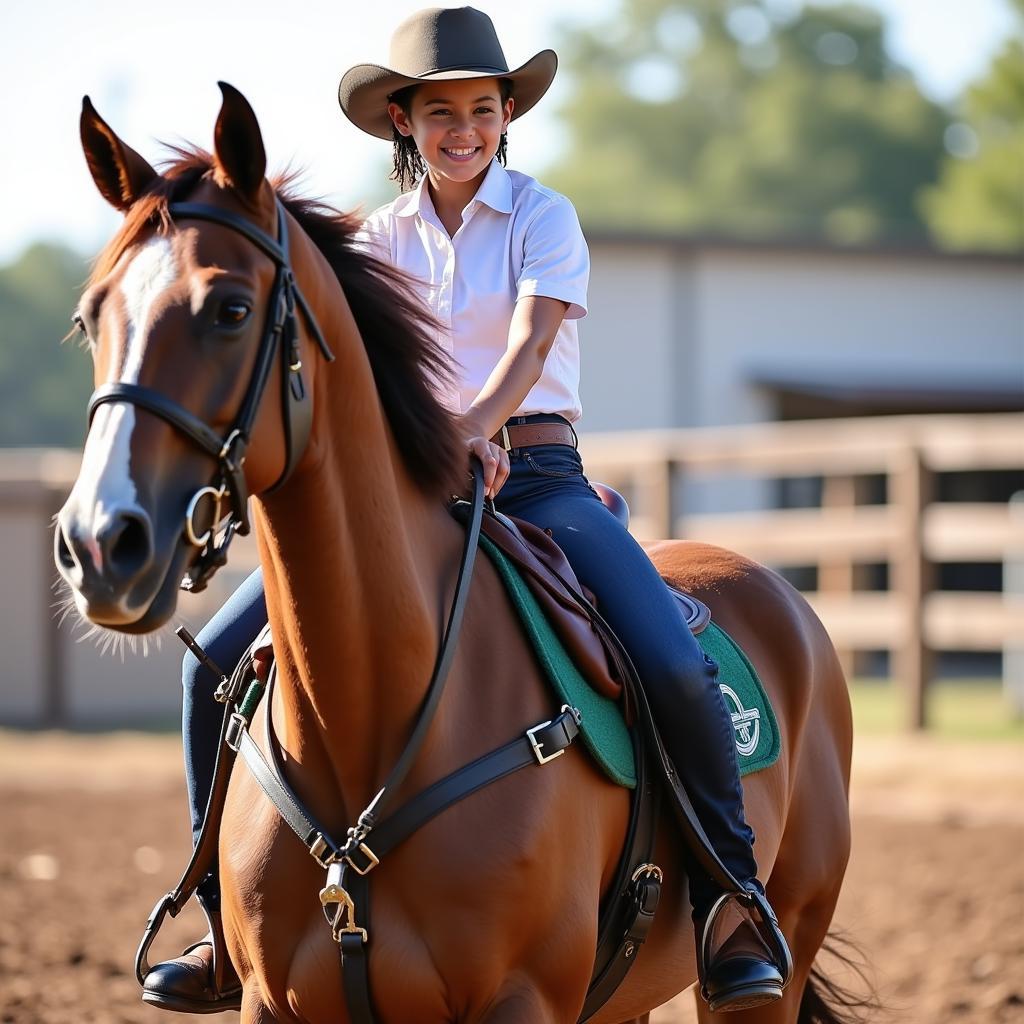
(153, 77)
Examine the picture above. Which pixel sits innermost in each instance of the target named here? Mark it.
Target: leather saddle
(565, 601)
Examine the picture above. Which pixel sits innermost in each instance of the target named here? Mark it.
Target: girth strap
(632, 900)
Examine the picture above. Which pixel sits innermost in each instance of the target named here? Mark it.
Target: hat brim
(364, 90)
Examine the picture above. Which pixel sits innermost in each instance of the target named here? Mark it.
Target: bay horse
(488, 913)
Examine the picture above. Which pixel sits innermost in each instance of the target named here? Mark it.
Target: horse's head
(203, 351)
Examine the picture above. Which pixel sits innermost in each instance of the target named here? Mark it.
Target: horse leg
(521, 1008)
(518, 1010)
(254, 1009)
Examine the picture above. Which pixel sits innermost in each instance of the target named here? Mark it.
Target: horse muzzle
(109, 558)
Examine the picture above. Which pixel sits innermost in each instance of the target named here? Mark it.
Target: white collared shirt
(517, 238)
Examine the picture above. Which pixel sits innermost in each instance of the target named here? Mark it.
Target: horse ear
(238, 144)
(120, 173)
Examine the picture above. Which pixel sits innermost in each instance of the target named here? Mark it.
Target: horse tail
(826, 1001)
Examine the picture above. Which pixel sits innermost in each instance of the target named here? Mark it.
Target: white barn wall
(24, 597)
(629, 338)
(925, 321)
(708, 323)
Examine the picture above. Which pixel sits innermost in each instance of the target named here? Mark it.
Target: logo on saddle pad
(746, 723)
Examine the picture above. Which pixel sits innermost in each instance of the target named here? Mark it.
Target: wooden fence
(48, 678)
(911, 532)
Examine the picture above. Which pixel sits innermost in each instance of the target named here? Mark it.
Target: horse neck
(355, 561)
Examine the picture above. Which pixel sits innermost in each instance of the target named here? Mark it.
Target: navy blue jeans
(547, 487)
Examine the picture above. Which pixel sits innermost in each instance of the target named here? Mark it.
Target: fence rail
(48, 678)
(911, 532)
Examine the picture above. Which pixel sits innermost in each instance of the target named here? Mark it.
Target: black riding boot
(742, 955)
(202, 979)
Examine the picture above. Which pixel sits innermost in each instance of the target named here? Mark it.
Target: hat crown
(445, 38)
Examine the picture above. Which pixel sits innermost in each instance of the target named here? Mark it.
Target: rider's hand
(495, 462)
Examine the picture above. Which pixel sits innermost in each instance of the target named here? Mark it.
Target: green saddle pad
(602, 726)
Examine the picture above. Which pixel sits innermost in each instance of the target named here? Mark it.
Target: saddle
(565, 600)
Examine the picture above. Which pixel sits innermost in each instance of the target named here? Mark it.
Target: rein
(280, 335)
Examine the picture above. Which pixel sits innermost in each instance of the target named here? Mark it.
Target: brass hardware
(370, 856)
(319, 848)
(333, 893)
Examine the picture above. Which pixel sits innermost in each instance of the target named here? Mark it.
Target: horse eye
(76, 319)
(231, 314)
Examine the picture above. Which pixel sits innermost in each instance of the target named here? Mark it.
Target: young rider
(503, 266)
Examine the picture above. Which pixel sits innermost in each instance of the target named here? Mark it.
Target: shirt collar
(495, 191)
(413, 202)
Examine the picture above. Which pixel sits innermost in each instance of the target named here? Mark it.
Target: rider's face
(456, 125)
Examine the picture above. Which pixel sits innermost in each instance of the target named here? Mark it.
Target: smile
(462, 153)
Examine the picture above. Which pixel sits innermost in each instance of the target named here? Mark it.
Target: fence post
(910, 489)
(53, 667)
(1013, 590)
(658, 499)
(837, 574)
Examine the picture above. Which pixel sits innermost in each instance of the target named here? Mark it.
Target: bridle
(279, 335)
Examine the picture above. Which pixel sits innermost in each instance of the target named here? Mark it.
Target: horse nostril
(126, 543)
(65, 559)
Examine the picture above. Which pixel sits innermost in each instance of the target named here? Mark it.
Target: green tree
(979, 200)
(44, 386)
(718, 117)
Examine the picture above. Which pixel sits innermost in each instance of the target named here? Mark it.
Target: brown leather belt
(525, 435)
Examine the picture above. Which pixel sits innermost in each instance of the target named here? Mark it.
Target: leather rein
(281, 337)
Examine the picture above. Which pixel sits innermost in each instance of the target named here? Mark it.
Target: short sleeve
(373, 237)
(556, 261)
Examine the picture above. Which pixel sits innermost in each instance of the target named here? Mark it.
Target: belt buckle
(537, 745)
(506, 442)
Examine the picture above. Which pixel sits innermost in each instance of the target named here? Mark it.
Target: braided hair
(408, 166)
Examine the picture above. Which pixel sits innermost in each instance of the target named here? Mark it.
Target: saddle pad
(602, 726)
(757, 733)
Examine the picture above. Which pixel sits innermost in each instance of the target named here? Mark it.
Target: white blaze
(104, 482)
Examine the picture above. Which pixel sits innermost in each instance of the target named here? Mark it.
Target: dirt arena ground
(94, 830)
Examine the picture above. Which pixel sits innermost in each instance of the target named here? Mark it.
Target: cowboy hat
(439, 44)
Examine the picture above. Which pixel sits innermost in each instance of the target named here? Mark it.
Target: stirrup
(226, 995)
(766, 924)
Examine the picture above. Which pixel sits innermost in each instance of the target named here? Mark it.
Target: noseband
(279, 335)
